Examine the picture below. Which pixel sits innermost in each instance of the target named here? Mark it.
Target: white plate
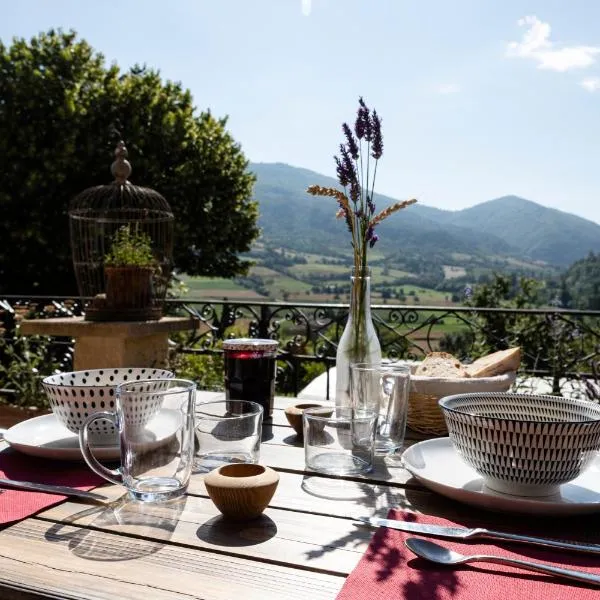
(437, 465)
(46, 437)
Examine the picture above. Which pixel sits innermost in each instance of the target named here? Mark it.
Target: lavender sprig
(364, 115)
(351, 142)
(341, 173)
(356, 203)
(349, 173)
(359, 125)
(377, 147)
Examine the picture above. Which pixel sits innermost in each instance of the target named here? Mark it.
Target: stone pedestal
(100, 345)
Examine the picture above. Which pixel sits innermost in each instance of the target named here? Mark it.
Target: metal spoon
(444, 556)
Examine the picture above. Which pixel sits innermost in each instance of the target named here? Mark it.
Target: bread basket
(424, 413)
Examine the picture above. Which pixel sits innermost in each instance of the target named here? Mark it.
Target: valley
(425, 256)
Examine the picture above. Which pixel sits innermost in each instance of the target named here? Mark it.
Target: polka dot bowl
(75, 395)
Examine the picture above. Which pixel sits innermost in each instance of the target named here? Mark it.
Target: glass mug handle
(113, 475)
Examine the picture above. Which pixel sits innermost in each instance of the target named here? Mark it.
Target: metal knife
(51, 489)
(464, 533)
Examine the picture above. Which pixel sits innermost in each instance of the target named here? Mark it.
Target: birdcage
(122, 245)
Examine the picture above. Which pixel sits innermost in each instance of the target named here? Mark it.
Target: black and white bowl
(525, 445)
(75, 395)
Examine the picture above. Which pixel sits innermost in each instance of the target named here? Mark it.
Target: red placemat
(18, 504)
(388, 570)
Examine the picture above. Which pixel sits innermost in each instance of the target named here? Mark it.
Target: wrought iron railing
(560, 345)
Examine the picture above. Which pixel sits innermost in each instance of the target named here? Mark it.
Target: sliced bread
(496, 363)
(441, 364)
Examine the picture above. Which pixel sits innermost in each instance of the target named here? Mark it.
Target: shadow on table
(384, 557)
(267, 432)
(223, 532)
(368, 499)
(128, 518)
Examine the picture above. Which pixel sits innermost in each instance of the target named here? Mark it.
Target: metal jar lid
(251, 345)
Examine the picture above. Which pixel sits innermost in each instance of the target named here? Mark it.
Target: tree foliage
(553, 344)
(62, 111)
(581, 284)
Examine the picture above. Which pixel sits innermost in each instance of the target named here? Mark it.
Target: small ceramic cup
(294, 414)
(241, 491)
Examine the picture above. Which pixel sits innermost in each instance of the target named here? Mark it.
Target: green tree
(580, 285)
(552, 344)
(62, 110)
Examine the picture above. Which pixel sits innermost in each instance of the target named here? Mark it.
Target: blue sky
(479, 98)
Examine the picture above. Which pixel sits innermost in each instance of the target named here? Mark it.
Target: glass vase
(359, 342)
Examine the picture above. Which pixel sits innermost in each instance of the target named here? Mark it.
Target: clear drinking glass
(383, 388)
(227, 431)
(250, 366)
(156, 457)
(337, 442)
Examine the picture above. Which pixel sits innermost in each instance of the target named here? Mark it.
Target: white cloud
(536, 45)
(306, 7)
(448, 88)
(591, 84)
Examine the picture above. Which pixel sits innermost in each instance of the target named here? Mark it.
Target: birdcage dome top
(122, 247)
(120, 199)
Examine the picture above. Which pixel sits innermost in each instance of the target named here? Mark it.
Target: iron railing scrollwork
(557, 344)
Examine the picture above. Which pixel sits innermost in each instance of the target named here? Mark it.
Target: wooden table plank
(307, 515)
(291, 458)
(279, 536)
(73, 562)
(334, 497)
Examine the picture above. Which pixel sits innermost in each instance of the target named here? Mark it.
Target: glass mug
(156, 457)
(384, 388)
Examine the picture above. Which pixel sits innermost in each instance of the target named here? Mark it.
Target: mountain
(509, 226)
(536, 231)
(306, 223)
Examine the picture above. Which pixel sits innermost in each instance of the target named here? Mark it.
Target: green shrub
(206, 370)
(26, 360)
(130, 249)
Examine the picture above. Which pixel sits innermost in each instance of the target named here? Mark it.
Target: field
(206, 288)
(281, 287)
(452, 272)
(318, 268)
(286, 275)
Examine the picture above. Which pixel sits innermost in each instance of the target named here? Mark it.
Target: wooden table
(303, 546)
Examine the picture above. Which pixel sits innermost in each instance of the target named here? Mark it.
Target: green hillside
(535, 231)
(424, 256)
(291, 217)
(508, 227)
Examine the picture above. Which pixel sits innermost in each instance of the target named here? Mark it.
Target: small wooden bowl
(241, 491)
(294, 412)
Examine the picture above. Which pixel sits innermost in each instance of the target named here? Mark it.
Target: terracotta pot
(294, 412)
(128, 287)
(241, 491)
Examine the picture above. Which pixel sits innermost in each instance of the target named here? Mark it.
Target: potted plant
(129, 268)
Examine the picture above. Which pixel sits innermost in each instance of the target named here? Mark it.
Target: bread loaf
(441, 364)
(497, 363)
